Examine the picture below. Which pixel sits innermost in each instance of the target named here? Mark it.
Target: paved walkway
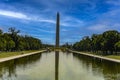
(20, 56)
(96, 56)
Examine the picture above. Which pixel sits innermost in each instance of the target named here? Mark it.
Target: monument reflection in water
(56, 65)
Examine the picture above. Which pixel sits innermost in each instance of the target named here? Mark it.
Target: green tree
(83, 45)
(10, 44)
(14, 36)
(12, 41)
(2, 44)
(96, 42)
(1, 32)
(109, 40)
(117, 46)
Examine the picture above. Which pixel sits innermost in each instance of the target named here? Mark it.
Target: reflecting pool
(59, 66)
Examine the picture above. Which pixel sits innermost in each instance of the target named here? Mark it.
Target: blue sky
(78, 18)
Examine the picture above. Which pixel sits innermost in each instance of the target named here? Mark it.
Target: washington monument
(57, 30)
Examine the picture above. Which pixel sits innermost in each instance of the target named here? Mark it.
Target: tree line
(107, 43)
(12, 41)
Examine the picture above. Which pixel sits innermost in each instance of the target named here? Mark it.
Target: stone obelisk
(57, 30)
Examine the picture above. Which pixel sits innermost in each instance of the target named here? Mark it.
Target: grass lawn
(8, 54)
(113, 57)
(109, 56)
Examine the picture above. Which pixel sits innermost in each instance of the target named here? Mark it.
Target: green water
(68, 66)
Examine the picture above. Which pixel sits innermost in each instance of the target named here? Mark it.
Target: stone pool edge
(20, 56)
(96, 56)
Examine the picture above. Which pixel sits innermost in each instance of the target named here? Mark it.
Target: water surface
(66, 66)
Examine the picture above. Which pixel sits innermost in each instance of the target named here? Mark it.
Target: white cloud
(98, 28)
(66, 21)
(1, 28)
(64, 30)
(71, 22)
(45, 20)
(50, 31)
(24, 16)
(14, 14)
(106, 21)
(113, 2)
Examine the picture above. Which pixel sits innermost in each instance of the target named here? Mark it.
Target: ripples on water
(69, 66)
